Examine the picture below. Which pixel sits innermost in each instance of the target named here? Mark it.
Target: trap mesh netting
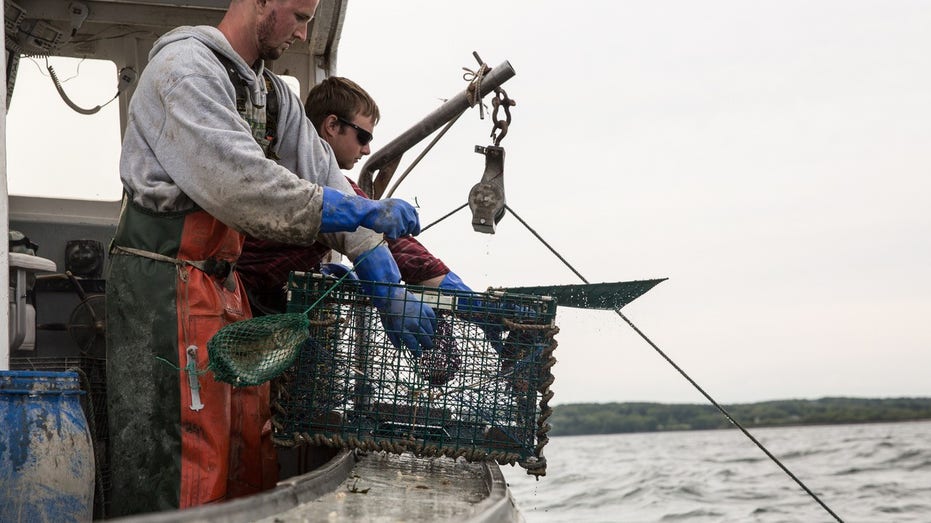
(481, 393)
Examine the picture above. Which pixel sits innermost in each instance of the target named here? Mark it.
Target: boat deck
(371, 487)
(390, 488)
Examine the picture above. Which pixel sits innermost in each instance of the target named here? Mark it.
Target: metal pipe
(393, 150)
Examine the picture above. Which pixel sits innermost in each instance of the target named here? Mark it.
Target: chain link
(499, 126)
(500, 100)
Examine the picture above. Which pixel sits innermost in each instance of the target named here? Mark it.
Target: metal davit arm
(385, 160)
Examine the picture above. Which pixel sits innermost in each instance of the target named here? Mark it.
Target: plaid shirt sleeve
(264, 265)
(415, 261)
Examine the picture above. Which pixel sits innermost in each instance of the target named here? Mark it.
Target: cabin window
(54, 151)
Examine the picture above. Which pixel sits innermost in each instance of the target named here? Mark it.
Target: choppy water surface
(864, 473)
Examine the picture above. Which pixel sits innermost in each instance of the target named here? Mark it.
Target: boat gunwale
(498, 505)
(286, 495)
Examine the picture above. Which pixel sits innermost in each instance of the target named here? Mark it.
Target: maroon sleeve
(414, 260)
(355, 187)
(264, 265)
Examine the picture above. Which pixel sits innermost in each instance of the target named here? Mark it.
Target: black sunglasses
(362, 135)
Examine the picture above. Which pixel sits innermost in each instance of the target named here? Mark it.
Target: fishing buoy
(46, 452)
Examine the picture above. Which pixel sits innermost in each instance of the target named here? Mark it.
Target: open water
(863, 473)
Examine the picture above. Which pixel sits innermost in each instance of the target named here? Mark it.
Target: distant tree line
(610, 418)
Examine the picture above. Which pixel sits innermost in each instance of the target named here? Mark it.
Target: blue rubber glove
(406, 319)
(479, 306)
(347, 212)
(476, 309)
(337, 270)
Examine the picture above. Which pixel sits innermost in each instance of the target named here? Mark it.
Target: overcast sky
(772, 159)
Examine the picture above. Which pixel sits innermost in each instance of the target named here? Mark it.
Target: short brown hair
(339, 96)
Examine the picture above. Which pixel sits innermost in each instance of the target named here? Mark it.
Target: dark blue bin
(46, 453)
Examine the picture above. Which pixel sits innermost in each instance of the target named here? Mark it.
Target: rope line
(685, 375)
(474, 89)
(447, 215)
(423, 153)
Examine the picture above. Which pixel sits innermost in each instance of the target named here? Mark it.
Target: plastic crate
(481, 393)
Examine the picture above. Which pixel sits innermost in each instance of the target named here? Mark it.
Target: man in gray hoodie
(201, 167)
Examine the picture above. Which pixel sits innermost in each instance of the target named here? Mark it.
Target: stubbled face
(345, 142)
(280, 23)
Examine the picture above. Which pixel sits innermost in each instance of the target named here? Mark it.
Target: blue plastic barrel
(46, 453)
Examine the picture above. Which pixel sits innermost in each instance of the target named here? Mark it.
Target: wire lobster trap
(481, 393)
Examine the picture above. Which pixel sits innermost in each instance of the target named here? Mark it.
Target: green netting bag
(251, 352)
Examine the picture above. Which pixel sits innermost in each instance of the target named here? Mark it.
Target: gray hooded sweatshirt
(186, 146)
